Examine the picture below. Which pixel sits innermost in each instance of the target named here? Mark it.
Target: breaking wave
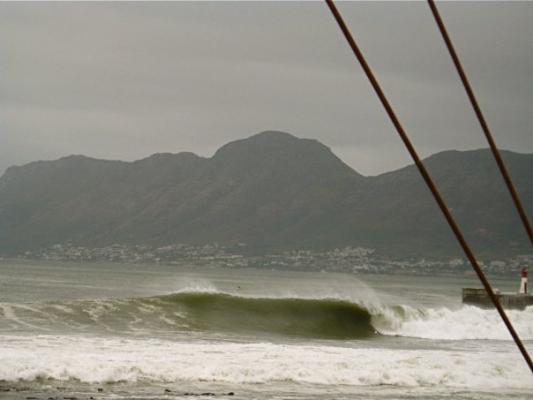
(212, 311)
(203, 312)
(465, 323)
(148, 339)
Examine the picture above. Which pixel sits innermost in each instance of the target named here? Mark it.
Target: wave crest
(212, 311)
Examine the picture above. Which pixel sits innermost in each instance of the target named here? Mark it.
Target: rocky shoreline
(79, 391)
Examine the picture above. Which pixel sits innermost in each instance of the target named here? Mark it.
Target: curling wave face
(212, 312)
(200, 312)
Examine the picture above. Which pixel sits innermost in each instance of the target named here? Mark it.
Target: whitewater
(144, 331)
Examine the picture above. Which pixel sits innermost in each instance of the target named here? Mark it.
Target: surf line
(427, 179)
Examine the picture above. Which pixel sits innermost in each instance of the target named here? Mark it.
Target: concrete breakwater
(480, 298)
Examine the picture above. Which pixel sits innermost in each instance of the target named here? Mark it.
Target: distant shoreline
(193, 264)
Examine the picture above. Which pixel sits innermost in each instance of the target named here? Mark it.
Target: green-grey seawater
(142, 331)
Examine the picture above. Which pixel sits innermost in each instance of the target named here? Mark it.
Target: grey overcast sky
(126, 80)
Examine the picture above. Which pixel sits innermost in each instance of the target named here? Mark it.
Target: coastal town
(347, 259)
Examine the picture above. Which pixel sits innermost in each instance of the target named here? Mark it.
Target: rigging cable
(427, 179)
(481, 119)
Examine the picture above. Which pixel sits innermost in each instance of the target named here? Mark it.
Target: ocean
(122, 331)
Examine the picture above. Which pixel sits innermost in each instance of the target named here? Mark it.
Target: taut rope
(427, 179)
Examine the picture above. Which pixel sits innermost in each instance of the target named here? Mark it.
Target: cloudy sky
(125, 80)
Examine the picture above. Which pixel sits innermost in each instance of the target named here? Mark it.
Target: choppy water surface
(130, 331)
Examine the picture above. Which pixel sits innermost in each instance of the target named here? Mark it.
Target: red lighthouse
(523, 281)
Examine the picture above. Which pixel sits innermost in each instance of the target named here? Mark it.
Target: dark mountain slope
(262, 190)
(406, 217)
(272, 191)
(78, 198)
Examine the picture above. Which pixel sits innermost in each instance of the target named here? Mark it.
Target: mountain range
(271, 191)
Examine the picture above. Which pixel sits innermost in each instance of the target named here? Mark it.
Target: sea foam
(467, 322)
(104, 359)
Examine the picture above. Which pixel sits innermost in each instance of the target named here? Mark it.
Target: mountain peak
(262, 140)
(273, 135)
(271, 151)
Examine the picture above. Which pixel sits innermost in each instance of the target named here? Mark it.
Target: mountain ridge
(272, 191)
